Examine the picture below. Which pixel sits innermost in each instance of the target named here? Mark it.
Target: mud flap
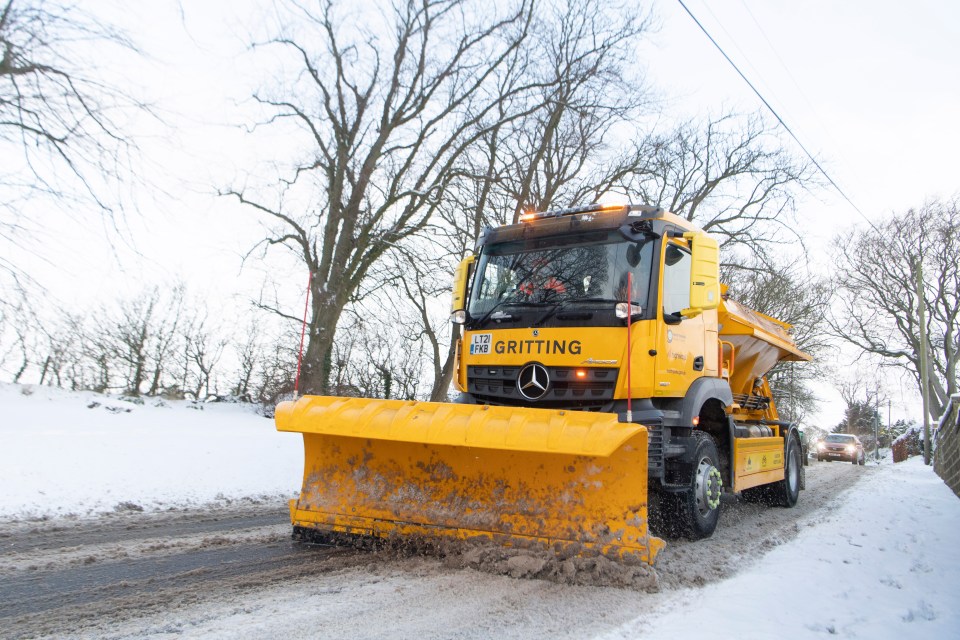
(570, 481)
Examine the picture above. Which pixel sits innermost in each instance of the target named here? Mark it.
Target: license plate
(480, 343)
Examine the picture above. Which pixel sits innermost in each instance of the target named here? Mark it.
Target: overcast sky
(870, 88)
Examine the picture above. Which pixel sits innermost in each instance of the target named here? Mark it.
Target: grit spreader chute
(571, 482)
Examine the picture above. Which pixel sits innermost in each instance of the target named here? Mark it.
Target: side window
(638, 258)
(676, 279)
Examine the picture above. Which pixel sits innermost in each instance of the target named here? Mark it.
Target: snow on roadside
(884, 564)
(64, 453)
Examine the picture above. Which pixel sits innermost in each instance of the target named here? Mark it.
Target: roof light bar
(571, 211)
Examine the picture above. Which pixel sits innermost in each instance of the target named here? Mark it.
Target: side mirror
(460, 279)
(704, 274)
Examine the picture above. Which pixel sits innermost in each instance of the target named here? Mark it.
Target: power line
(783, 64)
(776, 115)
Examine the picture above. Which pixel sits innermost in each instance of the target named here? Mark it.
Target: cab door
(680, 343)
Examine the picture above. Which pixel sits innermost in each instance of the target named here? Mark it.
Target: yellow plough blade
(569, 481)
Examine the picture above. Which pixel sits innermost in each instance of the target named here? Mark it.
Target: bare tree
(386, 366)
(730, 175)
(16, 337)
(60, 127)
(202, 352)
(424, 278)
(274, 377)
(166, 335)
(385, 115)
(561, 151)
(130, 335)
(789, 294)
(878, 306)
(561, 146)
(249, 354)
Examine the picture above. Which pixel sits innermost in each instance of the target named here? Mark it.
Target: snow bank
(85, 453)
(884, 564)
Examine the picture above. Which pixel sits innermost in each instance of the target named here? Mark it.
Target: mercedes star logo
(533, 381)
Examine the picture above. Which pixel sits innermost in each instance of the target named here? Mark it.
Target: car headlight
(821, 446)
(851, 448)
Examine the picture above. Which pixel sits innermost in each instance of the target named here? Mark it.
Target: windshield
(840, 439)
(579, 269)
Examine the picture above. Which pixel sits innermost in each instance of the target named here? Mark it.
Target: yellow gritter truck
(605, 379)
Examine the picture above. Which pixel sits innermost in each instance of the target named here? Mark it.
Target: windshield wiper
(555, 309)
(500, 305)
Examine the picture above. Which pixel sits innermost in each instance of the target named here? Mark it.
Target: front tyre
(695, 512)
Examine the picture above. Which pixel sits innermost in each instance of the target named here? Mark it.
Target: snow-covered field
(882, 561)
(84, 453)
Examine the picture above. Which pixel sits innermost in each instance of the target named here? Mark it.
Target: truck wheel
(696, 511)
(787, 491)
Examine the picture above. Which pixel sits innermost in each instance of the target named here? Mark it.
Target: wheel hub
(708, 487)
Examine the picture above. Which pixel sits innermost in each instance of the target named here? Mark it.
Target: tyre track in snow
(57, 577)
(63, 578)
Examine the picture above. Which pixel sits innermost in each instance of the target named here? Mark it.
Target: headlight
(821, 446)
(851, 448)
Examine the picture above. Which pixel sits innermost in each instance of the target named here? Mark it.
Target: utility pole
(923, 364)
(889, 424)
(876, 425)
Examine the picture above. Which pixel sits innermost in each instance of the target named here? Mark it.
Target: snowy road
(166, 520)
(234, 572)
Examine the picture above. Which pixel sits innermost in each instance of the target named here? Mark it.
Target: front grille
(498, 385)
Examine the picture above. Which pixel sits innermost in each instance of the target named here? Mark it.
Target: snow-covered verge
(881, 560)
(884, 564)
(65, 453)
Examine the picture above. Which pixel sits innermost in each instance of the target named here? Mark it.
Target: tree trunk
(441, 383)
(317, 364)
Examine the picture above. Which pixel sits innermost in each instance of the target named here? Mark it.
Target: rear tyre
(787, 491)
(695, 512)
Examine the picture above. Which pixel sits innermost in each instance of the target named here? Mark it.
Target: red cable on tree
(303, 331)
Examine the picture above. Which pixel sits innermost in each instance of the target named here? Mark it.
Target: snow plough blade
(568, 481)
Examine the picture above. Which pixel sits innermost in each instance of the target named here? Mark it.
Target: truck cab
(617, 309)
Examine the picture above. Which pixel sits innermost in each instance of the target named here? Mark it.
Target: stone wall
(946, 456)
